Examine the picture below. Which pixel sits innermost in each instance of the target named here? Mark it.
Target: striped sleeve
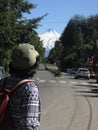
(30, 107)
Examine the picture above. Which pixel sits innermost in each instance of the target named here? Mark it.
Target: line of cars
(82, 73)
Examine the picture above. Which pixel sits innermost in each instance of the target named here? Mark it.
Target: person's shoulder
(31, 84)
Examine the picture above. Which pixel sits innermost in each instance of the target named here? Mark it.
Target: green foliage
(79, 38)
(55, 53)
(14, 29)
(77, 42)
(5, 58)
(54, 70)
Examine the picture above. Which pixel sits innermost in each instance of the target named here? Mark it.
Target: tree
(56, 53)
(14, 29)
(11, 12)
(79, 38)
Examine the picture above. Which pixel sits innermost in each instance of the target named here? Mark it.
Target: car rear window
(83, 70)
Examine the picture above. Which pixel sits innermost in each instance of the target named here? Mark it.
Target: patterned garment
(24, 105)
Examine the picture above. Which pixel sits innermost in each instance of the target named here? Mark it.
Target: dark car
(73, 70)
(2, 72)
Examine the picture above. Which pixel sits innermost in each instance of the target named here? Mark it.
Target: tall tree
(14, 29)
(10, 12)
(79, 38)
(56, 53)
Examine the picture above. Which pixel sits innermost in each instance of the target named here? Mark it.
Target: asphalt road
(67, 103)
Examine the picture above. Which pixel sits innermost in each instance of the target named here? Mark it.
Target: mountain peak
(50, 30)
(48, 39)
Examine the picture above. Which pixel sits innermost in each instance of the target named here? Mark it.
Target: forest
(77, 44)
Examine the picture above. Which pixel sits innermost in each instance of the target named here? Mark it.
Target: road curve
(67, 104)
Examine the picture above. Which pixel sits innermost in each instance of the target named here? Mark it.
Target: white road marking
(74, 82)
(41, 81)
(52, 81)
(62, 81)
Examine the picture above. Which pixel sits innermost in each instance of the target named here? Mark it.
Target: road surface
(67, 103)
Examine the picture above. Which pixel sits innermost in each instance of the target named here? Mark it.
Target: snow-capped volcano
(48, 39)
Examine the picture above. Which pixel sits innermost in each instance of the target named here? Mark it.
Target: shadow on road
(91, 92)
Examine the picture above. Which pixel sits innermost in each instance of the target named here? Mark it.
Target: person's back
(24, 105)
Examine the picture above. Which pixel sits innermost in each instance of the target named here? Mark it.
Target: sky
(60, 12)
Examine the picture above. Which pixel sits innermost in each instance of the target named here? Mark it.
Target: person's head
(24, 60)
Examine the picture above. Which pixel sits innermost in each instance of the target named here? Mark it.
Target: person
(24, 104)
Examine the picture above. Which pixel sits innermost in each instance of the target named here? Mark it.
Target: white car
(82, 73)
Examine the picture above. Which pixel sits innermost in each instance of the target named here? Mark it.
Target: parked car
(69, 70)
(82, 73)
(92, 74)
(2, 72)
(73, 70)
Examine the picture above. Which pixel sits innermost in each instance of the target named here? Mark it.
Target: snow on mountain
(48, 39)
